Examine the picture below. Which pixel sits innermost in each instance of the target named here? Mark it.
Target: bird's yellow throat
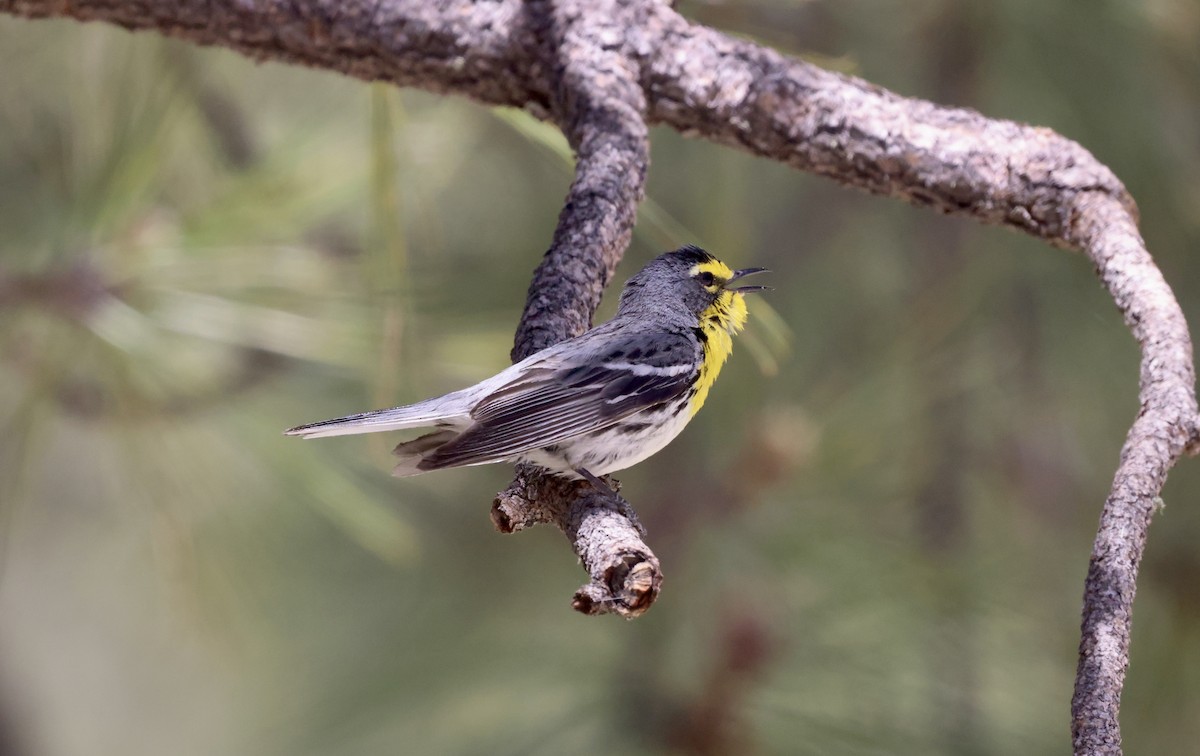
(719, 322)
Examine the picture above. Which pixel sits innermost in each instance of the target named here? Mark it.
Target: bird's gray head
(691, 278)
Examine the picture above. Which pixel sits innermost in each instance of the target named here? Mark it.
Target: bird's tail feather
(432, 412)
(413, 453)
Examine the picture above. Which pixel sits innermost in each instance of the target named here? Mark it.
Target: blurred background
(874, 537)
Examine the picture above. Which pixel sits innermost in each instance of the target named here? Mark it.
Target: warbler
(594, 404)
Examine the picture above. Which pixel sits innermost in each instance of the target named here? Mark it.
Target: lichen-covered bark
(603, 69)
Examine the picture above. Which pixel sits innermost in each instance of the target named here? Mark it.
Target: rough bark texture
(625, 574)
(596, 99)
(601, 71)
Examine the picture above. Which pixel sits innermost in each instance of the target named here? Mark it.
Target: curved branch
(1164, 429)
(573, 61)
(958, 161)
(736, 93)
(599, 105)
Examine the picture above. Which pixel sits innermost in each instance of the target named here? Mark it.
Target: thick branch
(734, 92)
(595, 67)
(483, 50)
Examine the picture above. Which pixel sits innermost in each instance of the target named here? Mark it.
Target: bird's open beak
(740, 274)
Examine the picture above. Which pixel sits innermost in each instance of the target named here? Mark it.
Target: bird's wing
(562, 398)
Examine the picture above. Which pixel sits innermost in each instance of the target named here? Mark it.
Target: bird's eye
(706, 278)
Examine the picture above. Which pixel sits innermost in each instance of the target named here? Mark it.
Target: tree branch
(481, 50)
(1165, 428)
(736, 93)
(598, 103)
(596, 68)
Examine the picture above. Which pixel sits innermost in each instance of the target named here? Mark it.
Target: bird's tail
(444, 410)
(413, 453)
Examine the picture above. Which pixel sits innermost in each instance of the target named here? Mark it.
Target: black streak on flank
(701, 335)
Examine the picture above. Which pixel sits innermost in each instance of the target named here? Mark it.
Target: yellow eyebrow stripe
(716, 267)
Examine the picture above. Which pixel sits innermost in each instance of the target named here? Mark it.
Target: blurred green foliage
(874, 537)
